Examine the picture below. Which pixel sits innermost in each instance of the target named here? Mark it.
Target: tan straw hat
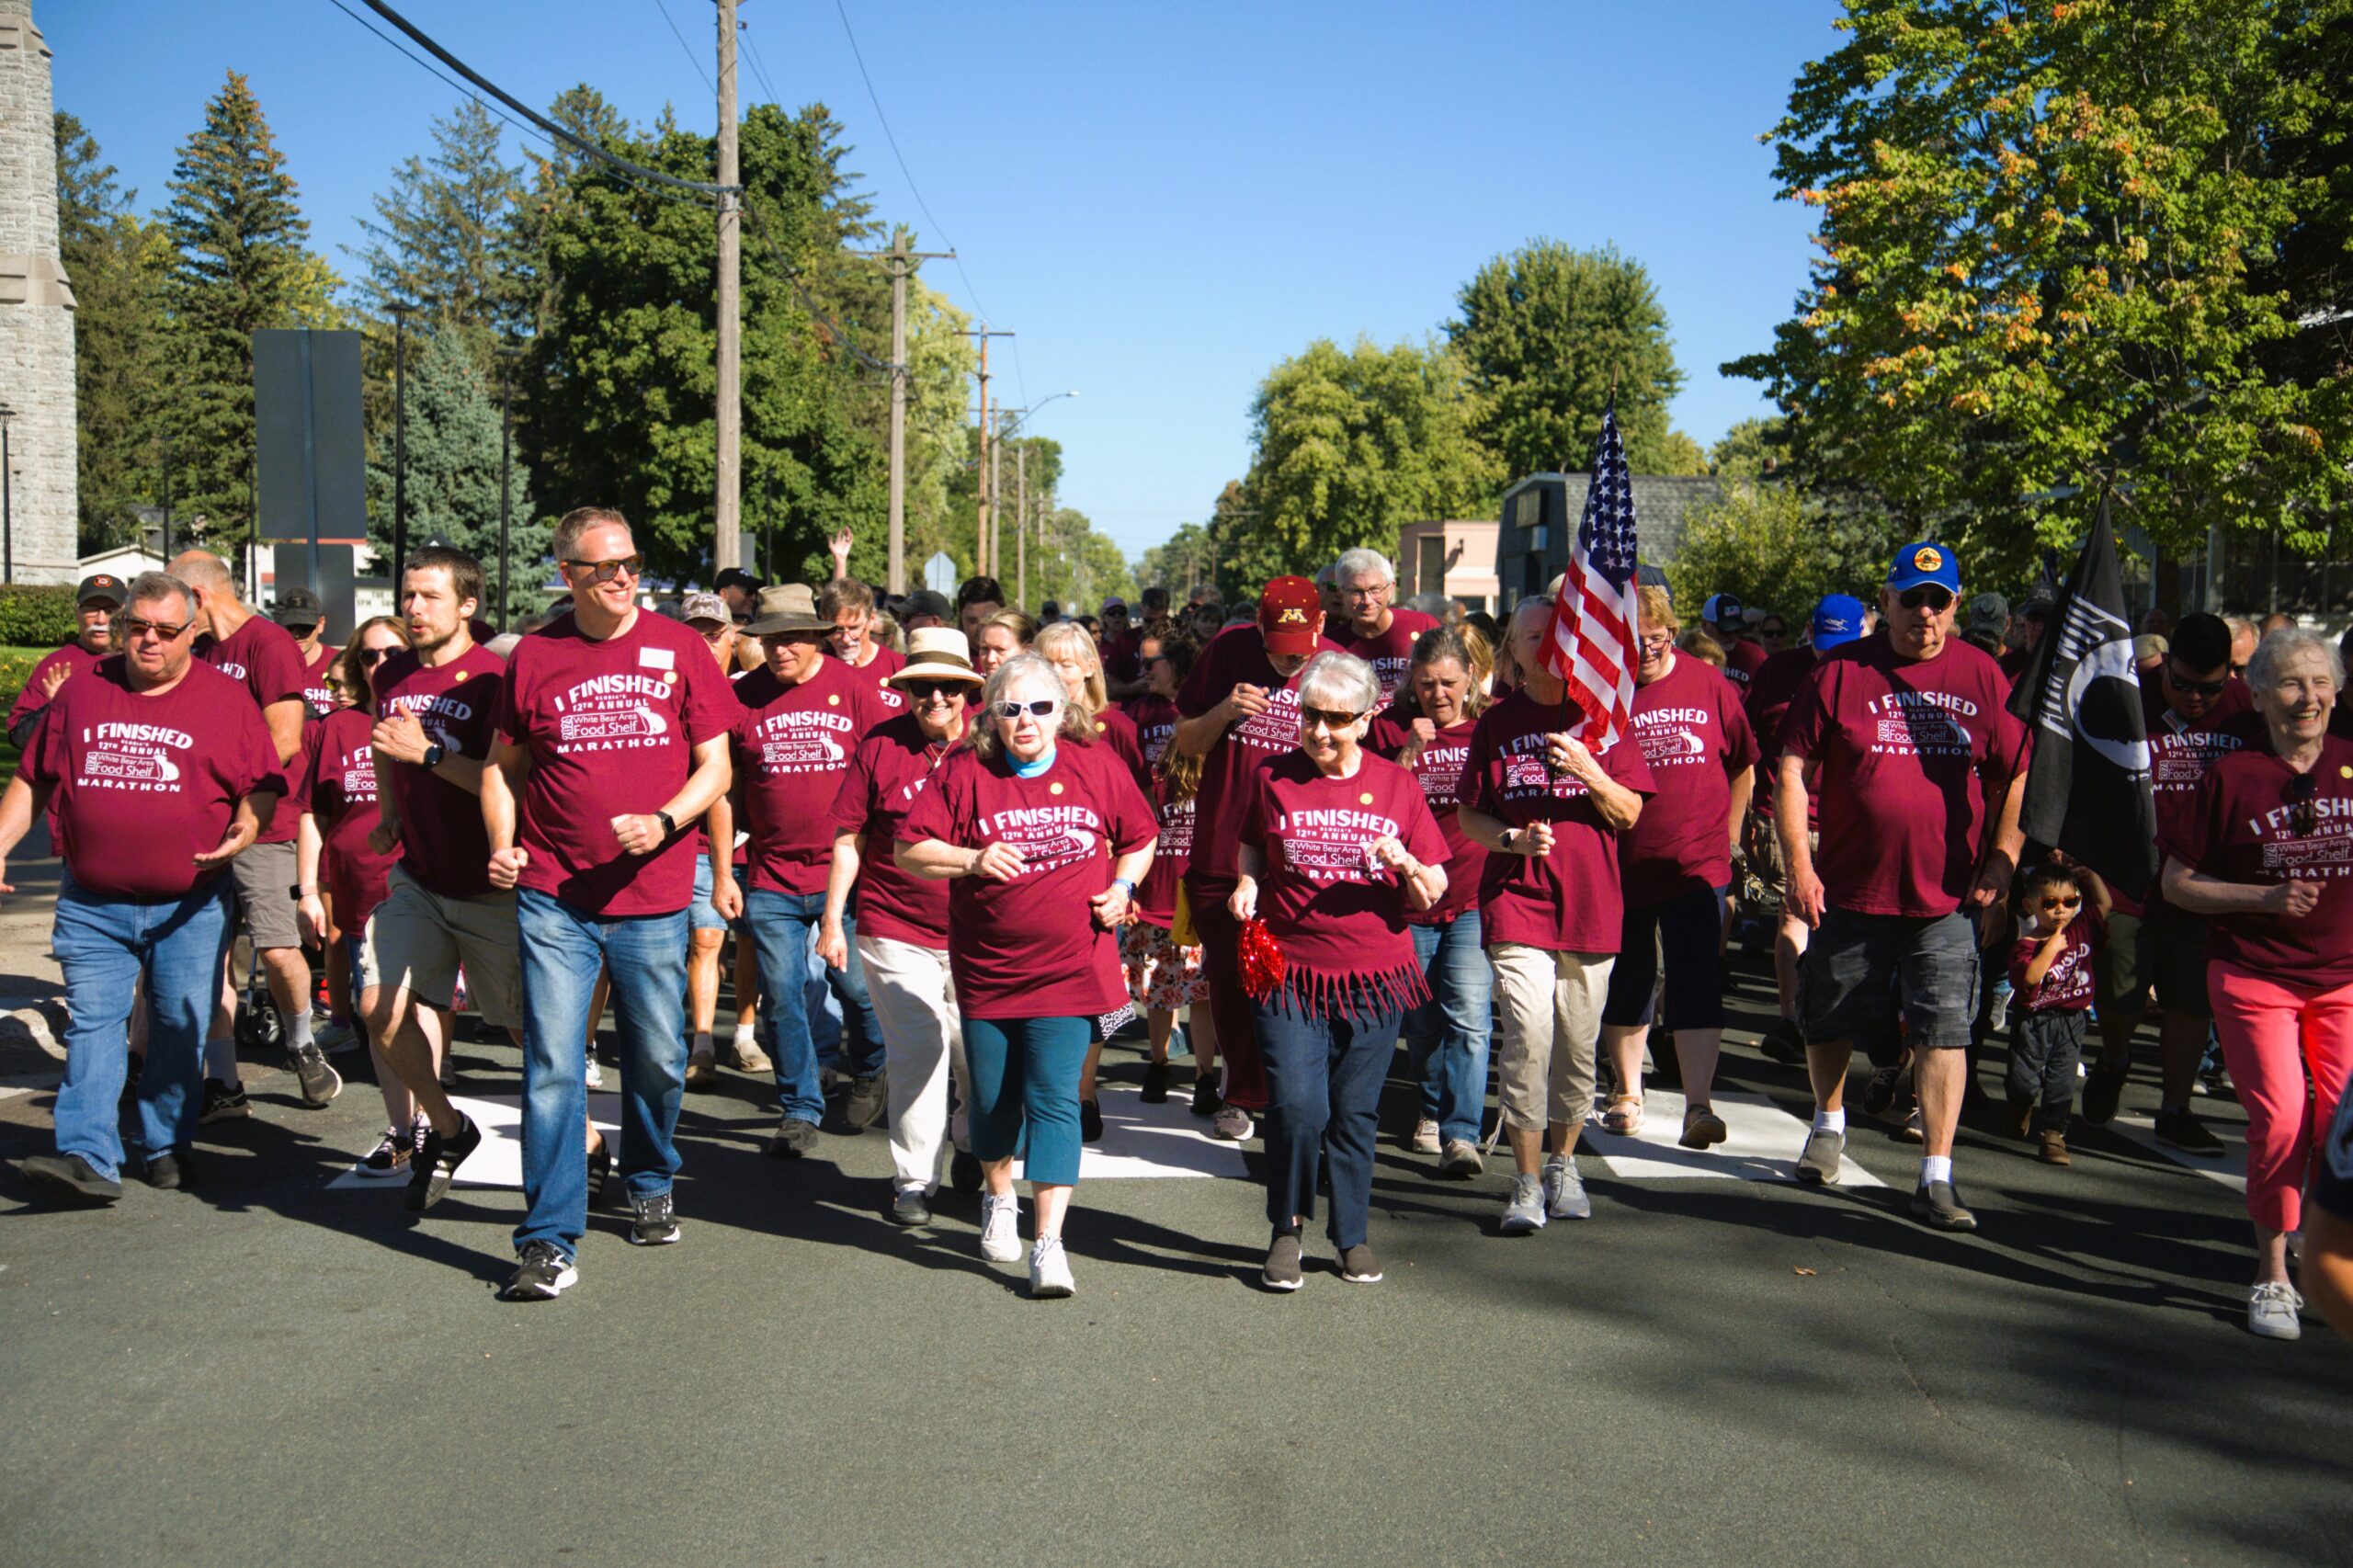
(936, 652)
(786, 609)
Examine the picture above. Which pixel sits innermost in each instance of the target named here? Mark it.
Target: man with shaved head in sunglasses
(1905, 738)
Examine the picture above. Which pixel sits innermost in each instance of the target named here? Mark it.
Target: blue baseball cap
(1837, 621)
(1926, 562)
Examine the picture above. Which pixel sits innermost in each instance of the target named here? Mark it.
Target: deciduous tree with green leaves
(1779, 550)
(2046, 230)
(117, 262)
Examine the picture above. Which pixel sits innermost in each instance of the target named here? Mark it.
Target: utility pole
(901, 262)
(1020, 522)
(727, 505)
(984, 558)
(996, 490)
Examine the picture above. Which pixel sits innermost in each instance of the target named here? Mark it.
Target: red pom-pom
(1262, 959)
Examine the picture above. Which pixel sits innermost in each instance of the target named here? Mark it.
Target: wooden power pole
(727, 515)
(984, 562)
(902, 263)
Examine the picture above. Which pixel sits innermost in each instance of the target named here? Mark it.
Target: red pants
(1237, 1028)
(2273, 1035)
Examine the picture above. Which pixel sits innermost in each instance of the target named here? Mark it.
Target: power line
(439, 75)
(760, 68)
(692, 58)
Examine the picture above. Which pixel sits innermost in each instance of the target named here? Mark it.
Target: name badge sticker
(657, 659)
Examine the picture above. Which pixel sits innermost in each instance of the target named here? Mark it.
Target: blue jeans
(105, 944)
(1324, 1077)
(1025, 1079)
(563, 948)
(1445, 1036)
(782, 927)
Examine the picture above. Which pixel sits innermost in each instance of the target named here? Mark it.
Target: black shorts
(1690, 927)
(1860, 971)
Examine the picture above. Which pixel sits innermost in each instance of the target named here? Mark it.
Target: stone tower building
(36, 313)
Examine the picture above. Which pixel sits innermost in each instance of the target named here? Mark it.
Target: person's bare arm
(938, 862)
(2328, 1272)
(2198, 893)
(1744, 790)
(1195, 736)
(402, 739)
(1618, 806)
(19, 806)
(1111, 905)
(1806, 899)
(502, 785)
(285, 718)
(833, 943)
(2045, 956)
(310, 909)
(1534, 841)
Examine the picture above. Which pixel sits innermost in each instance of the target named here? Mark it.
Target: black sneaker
(223, 1101)
(1879, 1094)
(600, 1172)
(1939, 1205)
(68, 1178)
(1155, 1082)
(2182, 1130)
(1783, 1043)
(1090, 1122)
(2103, 1091)
(865, 1102)
(908, 1206)
(792, 1139)
(1207, 1101)
(654, 1220)
(1359, 1266)
(542, 1273)
(171, 1171)
(1283, 1271)
(389, 1159)
(429, 1173)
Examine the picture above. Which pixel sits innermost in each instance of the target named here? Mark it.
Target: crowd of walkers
(1290, 837)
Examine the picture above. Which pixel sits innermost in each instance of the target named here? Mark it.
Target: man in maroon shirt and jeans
(1906, 737)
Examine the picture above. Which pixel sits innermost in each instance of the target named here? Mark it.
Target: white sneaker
(1232, 1123)
(1565, 1195)
(2271, 1309)
(1049, 1269)
(1424, 1139)
(596, 1072)
(1001, 1228)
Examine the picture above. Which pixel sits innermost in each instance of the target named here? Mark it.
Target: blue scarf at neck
(1031, 770)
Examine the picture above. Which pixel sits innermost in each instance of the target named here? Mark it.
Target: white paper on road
(1765, 1144)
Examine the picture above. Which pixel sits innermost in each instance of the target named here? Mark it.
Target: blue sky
(1161, 200)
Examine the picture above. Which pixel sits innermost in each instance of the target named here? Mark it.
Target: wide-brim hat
(935, 652)
(791, 608)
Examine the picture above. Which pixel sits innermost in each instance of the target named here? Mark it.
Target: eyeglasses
(1657, 641)
(1326, 717)
(1939, 599)
(371, 657)
(134, 628)
(1042, 708)
(606, 571)
(1770, 631)
(925, 690)
(719, 634)
(2197, 687)
(2303, 792)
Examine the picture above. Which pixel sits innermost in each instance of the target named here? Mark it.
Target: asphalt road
(269, 1369)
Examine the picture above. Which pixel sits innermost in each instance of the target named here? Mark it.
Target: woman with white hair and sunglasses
(1042, 835)
(1337, 846)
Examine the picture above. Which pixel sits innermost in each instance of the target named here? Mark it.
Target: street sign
(939, 574)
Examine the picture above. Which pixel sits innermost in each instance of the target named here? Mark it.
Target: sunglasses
(371, 657)
(2198, 688)
(1043, 708)
(1772, 631)
(2063, 901)
(133, 627)
(606, 571)
(1326, 717)
(1938, 599)
(925, 690)
(2304, 792)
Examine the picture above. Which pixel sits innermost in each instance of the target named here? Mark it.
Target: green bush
(37, 617)
(15, 669)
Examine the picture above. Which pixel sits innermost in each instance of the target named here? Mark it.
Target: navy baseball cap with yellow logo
(1926, 562)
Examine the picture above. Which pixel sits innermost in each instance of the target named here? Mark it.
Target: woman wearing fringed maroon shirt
(1042, 835)
(1337, 845)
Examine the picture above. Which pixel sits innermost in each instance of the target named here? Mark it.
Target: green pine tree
(453, 464)
(115, 261)
(449, 237)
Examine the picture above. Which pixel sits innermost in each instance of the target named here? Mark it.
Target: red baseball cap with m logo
(1291, 616)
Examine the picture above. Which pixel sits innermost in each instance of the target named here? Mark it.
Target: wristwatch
(669, 827)
(1126, 889)
(1508, 840)
(434, 753)
(300, 891)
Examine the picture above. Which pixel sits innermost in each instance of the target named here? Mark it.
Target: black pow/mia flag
(2087, 790)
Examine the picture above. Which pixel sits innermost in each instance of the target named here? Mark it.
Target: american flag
(1592, 645)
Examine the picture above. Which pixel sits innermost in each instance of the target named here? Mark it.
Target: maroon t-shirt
(878, 671)
(888, 771)
(1390, 653)
(1116, 730)
(1741, 661)
(1155, 898)
(2179, 754)
(1029, 948)
(1904, 746)
(1438, 769)
(318, 691)
(1118, 657)
(2067, 985)
(263, 657)
(793, 745)
(2241, 829)
(1340, 923)
(612, 727)
(443, 842)
(1766, 703)
(146, 782)
(1155, 721)
(339, 789)
(1696, 738)
(1237, 656)
(1571, 901)
(77, 659)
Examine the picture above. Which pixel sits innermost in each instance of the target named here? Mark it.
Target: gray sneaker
(1564, 1197)
(2271, 1311)
(1818, 1166)
(1939, 1206)
(319, 1082)
(1461, 1161)
(1524, 1215)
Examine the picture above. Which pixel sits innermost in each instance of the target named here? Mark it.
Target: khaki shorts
(417, 938)
(264, 874)
(1548, 1010)
(1765, 888)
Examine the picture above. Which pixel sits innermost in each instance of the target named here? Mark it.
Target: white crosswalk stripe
(1765, 1143)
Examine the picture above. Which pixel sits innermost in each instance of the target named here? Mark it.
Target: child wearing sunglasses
(2060, 925)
